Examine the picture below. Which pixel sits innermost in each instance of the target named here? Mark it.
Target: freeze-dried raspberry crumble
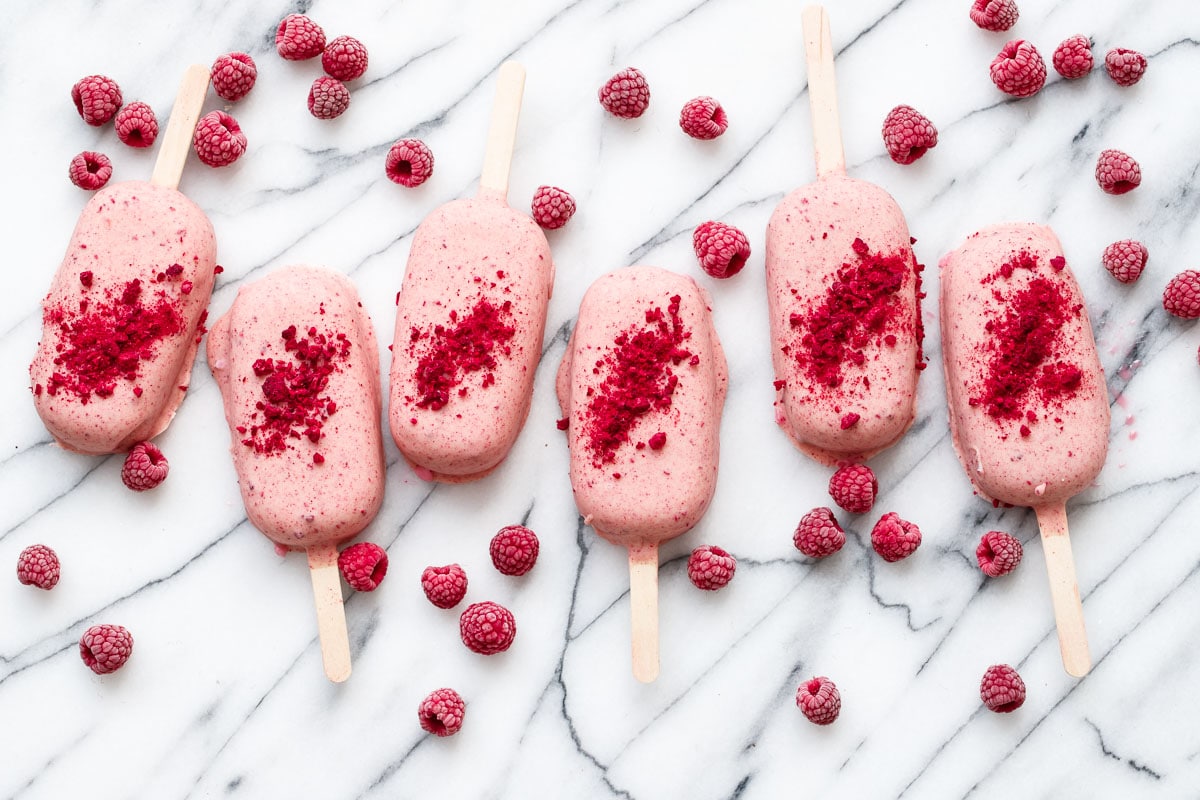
(328, 98)
(96, 98)
(468, 343)
(514, 550)
(722, 249)
(38, 566)
(1019, 69)
(136, 125)
(1002, 689)
(345, 58)
(710, 568)
(298, 38)
(441, 712)
(1125, 259)
(487, 628)
(552, 207)
(1073, 58)
(998, 553)
(625, 94)
(853, 487)
(233, 76)
(1126, 67)
(994, 15)
(444, 586)
(363, 565)
(1117, 172)
(907, 134)
(818, 698)
(895, 538)
(819, 535)
(145, 467)
(703, 118)
(90, 170)
(1181, 298)
(219, 140)
(105, 648)
(409, 163)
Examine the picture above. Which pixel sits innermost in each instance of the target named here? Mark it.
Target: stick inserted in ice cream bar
(470, 318)
(1028, 403)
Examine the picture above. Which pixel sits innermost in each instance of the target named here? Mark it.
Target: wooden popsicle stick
(1064, 589)
(502, 135)
(822, 93)
(331, 614)
(643, 605)
(176, 141)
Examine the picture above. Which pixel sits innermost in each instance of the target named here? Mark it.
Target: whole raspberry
(895, 538)
(819, 534)
(299, 38)
(90, 170)
(487, 628)
(145, 467)
(363, 565)
(1073, 58)
(97, 98)
(136, 125)
(233, 76)
(994, 15)
(1002, 689)
(345, 58)
(328, 98)
(998, 553)
(625, 94)
(444, 586)
(219, 140)
(514, 550)
(710, 568)
(703, 118)
(1126, 67)
(1125, 259)
(105, 648)
(1117, 172)
(1182, 295)
(1019, 69)
(907, 134)
(441, 712)
(38, 566)
(722, 249)
(552, 207)
(409, 163)
(820, 700)
(853, 487)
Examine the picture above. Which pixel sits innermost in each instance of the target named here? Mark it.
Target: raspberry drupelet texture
(444, 586)
(994, 15)
(552, 207)
(710, 568)
(1073, 58)
(1125, 259)
(895, 538)
(853, 487)
(998, 553)
(233, 76)
(1019, 69)
(514, 550)
(409, 163)
(441, 712)
(625, 94)
(907, 134)
(38, 566)
(703, 118)
(1117, 172)
(1002, 689)
(145, 467)
(96, 98)
(90, 170)
(819, 534)
(487, 628)
(363, 565)
(298, 38)
(820, 700)
(136, 125)
(722, 249)
(328, 98)
(1181, 298)
(219, 140)
(1126, 67)
(345, 58)
(105, 648)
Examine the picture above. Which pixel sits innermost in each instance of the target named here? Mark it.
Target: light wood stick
(822, 93)
(1064, 590)
(643, 604)
(502, 134)
(176, 141)
(331, 614)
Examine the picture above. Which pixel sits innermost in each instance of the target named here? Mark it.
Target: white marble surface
(224, 695)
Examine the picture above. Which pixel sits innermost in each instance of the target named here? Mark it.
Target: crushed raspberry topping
(448, 353)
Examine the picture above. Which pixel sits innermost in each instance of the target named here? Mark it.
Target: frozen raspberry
(105, 648)
(819, 699)
(552, 207)
(1125, 259)
(299, 38)
(487, 628)
(514, 550)
(703, 118)
(907, 134)
(233, 76)
(136, 125)
(38, 566)
(345, 58)
(722, 249)
(895, 538)
(96, 98)
(444, 586)
(710, 568)
(1019, 69)
(994, 15)
(1117, 172)
(1182, 295)
(145, 467)
(1126, 67)
(1002, 689)
(409, 162)
(998, 553)
(853, 487)
(441, 713)
(1073, 58)
(819, 534)
(219, 140)
(626, 94)
(363, 565)
(328, 98)
(90, 170)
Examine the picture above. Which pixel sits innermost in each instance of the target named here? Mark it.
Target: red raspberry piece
(853, 487)
(552, 207)
(1125, 259)
(233, 76)
(703, 118)
(998, 553)
(994, 15)
(722, 249)
(90, 170)
(298, 38)
(1117, 172)
(819, 534)
(895, 538)
(105, 648)
(96, 98)
(409, 163)
(219, 140)
(1182, 295)
(444, 586)
(1126, 67)
(1073, 58)
(145, 467)
(363, 565)
(1019, 69)
(328, 98)
(907, 134)
(38, 566)
(820, 700)
(710, 568)
(487, 628)
(514, 550)
(441, 712)
(1002, 689)
(345, 58)
(626, 94)
(136, 125)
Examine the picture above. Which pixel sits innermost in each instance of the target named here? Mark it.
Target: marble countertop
(224, 695)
